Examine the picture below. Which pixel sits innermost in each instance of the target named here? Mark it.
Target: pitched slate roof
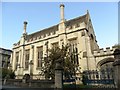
(55, 27)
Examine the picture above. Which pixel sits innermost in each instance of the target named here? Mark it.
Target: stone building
(29, 51)
(5, 57)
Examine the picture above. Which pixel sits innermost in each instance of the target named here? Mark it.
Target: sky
(40, 15)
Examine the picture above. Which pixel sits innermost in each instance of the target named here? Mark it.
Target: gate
(94, 77)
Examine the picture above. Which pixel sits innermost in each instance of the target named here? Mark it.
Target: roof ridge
(43, 29)
(67, 21)
(76, 17)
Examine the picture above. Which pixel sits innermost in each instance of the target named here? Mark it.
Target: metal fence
(98, 77)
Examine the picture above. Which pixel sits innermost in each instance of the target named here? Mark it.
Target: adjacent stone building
(5, 55)
(29, 51)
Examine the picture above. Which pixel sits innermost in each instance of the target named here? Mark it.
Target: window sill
(25, 69)
(38, 68)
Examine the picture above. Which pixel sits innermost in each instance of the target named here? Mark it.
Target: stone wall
(103, 55)
(30, 83)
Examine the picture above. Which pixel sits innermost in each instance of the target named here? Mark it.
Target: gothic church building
(28, 52)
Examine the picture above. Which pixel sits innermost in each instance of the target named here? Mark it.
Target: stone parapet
(104, 52)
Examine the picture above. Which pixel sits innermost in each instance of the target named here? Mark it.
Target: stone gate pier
(58, 75)
(116, 65)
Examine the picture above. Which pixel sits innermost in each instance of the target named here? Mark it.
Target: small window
(84, 54)
(77, 25)
(39, 37)
(31, 39)
(49, 34)
(54, 32)
(44, 35)
(28, 40)
(70, 27)
(89, 20)
(82, 33)
(35, 38)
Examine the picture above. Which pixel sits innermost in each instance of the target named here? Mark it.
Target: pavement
(6, 87)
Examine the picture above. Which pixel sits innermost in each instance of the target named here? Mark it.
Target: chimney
(25, 26)
(62, 12)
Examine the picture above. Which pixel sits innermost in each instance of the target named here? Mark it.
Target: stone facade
(78, 32)
(5, 57)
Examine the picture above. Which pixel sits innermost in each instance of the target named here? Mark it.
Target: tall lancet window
(56, 44)
(27, 57)
(73, 51)
(17, 59)
(39, 56)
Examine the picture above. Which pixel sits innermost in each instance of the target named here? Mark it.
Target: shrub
(6, 73)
